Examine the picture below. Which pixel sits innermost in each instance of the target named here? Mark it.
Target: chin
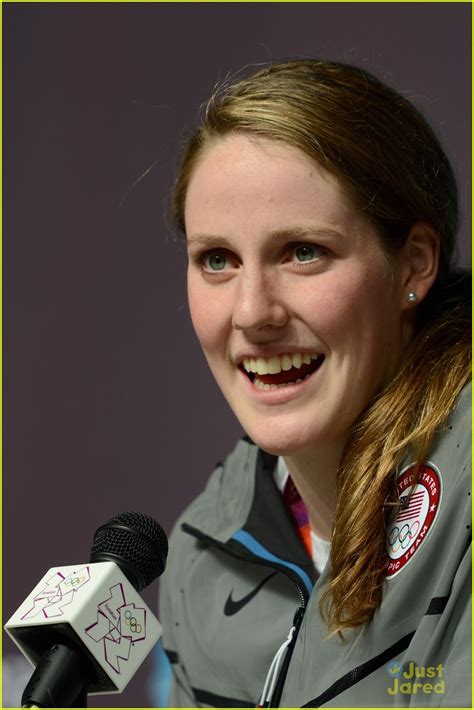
(276, 450)
(283, 443)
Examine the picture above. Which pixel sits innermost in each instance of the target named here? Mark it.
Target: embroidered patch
(410, 525)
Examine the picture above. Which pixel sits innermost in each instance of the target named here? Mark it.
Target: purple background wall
(108, 403)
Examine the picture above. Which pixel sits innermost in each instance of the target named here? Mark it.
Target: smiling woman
(320, 215)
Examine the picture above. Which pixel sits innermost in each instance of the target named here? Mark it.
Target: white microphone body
(95, 608)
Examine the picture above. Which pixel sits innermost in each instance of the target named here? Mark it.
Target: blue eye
(216, 261)
(306, 252)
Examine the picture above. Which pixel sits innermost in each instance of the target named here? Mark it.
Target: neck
(314, 475)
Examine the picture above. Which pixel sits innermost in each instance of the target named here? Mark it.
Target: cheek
(206, 315)
(354, 306)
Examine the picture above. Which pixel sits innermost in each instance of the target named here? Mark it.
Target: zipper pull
(273, 675)
(273, 672)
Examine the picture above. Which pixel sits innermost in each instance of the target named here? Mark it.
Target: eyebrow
(207, 240)
(306, 232)
(293, 233)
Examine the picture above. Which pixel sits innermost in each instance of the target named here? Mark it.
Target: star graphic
(433, 507)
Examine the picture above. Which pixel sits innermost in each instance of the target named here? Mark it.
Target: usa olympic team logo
(410, 524)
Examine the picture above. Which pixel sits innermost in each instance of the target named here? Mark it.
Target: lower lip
(283, 393)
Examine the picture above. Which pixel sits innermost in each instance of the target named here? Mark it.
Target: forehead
(260, 183)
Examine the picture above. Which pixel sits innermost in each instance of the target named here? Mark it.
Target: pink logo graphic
(119, 625)
(58, 593)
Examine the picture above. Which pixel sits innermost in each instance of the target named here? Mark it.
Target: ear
(420, 259)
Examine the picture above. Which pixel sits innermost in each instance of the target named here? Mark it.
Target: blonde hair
(384, 153)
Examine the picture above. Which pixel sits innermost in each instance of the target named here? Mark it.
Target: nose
(259, 303)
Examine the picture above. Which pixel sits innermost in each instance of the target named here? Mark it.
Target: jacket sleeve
(179, 692)
(457, 669)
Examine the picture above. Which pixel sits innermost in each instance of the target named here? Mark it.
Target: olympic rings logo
(132, 622)
(402, 537)
(74, 581)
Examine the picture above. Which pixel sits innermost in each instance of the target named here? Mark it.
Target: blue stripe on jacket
(248, 541)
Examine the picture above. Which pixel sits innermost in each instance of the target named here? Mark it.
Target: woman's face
(296, 307)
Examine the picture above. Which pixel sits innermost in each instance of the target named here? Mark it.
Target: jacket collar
(266, 533)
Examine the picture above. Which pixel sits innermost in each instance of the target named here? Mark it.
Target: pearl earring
(411, 297)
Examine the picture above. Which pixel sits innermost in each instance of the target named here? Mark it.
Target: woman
(320, 216)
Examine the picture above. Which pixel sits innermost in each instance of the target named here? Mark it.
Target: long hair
(386, 156)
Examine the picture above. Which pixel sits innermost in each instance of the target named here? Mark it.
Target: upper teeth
(275, 364)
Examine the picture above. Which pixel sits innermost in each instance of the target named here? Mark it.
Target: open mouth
(281, 370)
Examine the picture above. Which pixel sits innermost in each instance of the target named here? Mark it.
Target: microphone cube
(97, 610)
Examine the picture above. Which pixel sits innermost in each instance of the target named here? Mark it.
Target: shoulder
(452, 448)
(449, 462)
(436, 517)
(217, 512)
(223, 505)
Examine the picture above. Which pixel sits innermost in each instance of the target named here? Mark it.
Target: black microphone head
(136, 543)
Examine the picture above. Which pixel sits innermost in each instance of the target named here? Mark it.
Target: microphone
(85, 627)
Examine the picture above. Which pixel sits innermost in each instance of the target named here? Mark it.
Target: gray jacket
(238, 579)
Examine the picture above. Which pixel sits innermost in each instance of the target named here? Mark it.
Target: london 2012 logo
(413, 519)
(119, 626)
